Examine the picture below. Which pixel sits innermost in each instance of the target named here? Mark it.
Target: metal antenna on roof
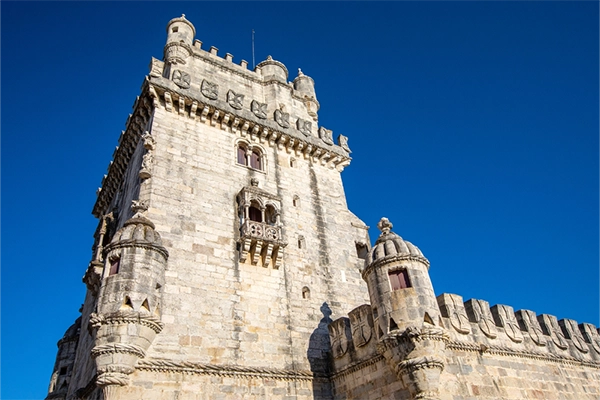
(253, 61)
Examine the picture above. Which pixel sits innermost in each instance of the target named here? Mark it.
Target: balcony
(261, 242)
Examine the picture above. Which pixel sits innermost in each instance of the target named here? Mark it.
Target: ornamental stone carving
(282, 118)
(529, 322)
(259, 109)
(550, 326)
(304, 126)
(182, 79)
(505, 317)
(339, 333)
(361, 322)
(235, 100)
(148, 157)
(572, 332)
(209, 89)
(343, 142)
(326, 135)
(479, 311)
(452, 307)
(591, 335)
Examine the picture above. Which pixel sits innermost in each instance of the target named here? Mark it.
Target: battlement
(474, 326)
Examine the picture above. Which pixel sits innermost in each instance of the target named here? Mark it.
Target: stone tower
(224, 242)
(226, 265)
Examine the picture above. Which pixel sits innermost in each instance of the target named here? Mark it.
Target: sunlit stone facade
(226, 265)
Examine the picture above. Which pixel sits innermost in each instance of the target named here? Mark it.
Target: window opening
(399, 279)
(255, 160)
(114, 266)
(292, 162)
(254, 214)
(393, 325)
(241, 156)
(305, 293)
(296, 201)
(63, 371)
(175, 29)
(361, 250)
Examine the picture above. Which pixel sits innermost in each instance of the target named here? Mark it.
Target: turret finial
(182, 15)
(384, 225)
(300, 72)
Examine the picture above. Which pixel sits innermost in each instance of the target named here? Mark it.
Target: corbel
(234, 124)
(282, 140)
(204, 113)
(290, 144)
(263, 134)
(245, 127)
(168, 101)
(181, 105)
(215, 118)
(299, 148)
(225, 121)
(273, 138)
(307, 150)
(268, 254)
(254, 132)
(257, 252)
(193, 109)
(245, 249)
(153, 96)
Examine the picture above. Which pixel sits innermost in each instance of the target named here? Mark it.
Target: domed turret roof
(389, 245)
(139, 229)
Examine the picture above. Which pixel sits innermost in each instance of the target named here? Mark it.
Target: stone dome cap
(139, 229)
(270, 61)
(184, 20)
(390, 245)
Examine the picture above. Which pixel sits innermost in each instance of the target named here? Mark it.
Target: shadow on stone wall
(319, 357)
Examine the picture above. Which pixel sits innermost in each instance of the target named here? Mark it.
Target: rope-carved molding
(356, 367)
(186, 367)
(118, 348)
(126, 317)
(508, 351)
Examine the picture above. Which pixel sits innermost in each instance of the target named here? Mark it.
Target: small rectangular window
(114, 266)
(241, 156)
(399, 279)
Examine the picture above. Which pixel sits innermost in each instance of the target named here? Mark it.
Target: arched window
(270, 215)
(254, 214)
(256, 160)
(241, 156)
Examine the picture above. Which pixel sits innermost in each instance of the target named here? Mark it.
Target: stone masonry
(225, 245)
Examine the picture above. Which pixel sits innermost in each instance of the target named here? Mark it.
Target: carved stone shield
(282, 118)
(505, 317)
(361, 322)
(326, 135)
(259, 109)
(209, 89)
(592, 336)
(181, 79)
(528, 319)
(304, 126)
(452, 307)
(235, 100)
(573, 333)
(551, 325)
(343, 142)
(480, 312)
(338, 334)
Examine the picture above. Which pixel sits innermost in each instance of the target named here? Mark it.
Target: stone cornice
(190, 368)
(507, 351)
(216, 112)
(356, 367)
(134, 243)
(128, 141)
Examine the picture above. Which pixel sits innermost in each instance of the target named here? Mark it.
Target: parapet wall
(493, 352)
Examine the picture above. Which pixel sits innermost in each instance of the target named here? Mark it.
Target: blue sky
(473, 126)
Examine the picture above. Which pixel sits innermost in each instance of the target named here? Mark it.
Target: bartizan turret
(406, 314)
(304, 87)
(65, 360)
(129, 302)
(180, 38)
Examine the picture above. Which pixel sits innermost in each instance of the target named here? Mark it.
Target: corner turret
(304, 87)
(128, 311)
(180, 38)
(406, 314)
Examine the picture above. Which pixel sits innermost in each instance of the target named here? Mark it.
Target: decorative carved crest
(451, 306)
(338, 333)
(505, 316)
(156, 67)
(210, 90)
(304, 126)
(480, 312)
(529, 321)
(148, 157)
(282, 118)
(361, 321)
(235, 100)
(592, 336)
(343, 142)
(550, 324)
(326, 135)
(259, 109)
(573, 333)
(182, 79)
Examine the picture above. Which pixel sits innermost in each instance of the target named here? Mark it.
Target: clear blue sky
(473, 125)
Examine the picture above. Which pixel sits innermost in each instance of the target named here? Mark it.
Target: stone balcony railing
(261, 241)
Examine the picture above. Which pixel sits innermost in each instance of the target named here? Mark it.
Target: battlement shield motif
(361, 322)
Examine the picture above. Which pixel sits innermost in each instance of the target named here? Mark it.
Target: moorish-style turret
(406, 313)
(129, 301)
